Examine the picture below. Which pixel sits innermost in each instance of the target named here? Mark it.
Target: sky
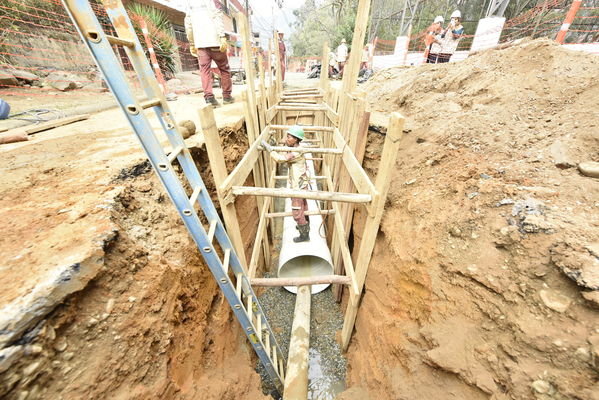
(265, 10)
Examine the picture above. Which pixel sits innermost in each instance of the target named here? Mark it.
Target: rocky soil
(485, 278)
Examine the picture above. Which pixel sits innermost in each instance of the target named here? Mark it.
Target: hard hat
(296, 131)
(439, 18)
(343, 40)
(456, 14)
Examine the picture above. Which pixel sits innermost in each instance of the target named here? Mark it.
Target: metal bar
(120, 42)
(211, 230)
(195, 194)
(150, 103)
(174, 154)
(226, 259)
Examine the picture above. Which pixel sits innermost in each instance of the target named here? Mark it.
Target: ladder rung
(195, 195)
(267, 343)
(150, 103)
(238, 287)
(211, 230)
(259, 327)
(250, 309)
(282, 370)
(274, 357)
(120, 42)
(226, 261)
(174, 153)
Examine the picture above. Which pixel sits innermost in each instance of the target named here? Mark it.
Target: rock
(583, 354)
(455, 232)
(132, 299)
(542, 387)
(560, 158)
(25, 76)
(7, 78)
(579, 262)
(594, 341)
(31, 368)
(9, 355)
(589, 168)
(109, 306)
(187, 128)
(34, 349)
(555, 301)
(504, 202)
(68, 356)
(60, 345)
(592, 297)
(63, 81)
(536, 223)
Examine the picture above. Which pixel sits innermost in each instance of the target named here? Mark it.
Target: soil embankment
(485, 279)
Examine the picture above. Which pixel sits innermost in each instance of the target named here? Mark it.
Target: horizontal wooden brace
(289, 214)
(300, 108)
(312, 280)
(317, 177)
(301, 194)
(305, 127)
(307, 150)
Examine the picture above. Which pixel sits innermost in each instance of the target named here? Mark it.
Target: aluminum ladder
(228, 272)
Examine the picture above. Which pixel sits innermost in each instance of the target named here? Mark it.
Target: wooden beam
(219, 173)
(260, 237)
(302, 149)
(352, 68)
(53, 124)
(356, 172)
(300, 108)
(289, 214)
(324, 67)
(306, 128)
(332, 115)
(371, 227)
(301, 194)
(312, 280)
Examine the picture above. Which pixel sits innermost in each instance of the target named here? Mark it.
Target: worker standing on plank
(282, 55)
(451, 37)
(433, 40)
(342, 55)
(207, 41)
(298, 179)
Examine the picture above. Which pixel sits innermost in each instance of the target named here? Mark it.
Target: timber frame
(336, 125)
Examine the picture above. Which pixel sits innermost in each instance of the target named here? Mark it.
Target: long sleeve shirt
(298, 177)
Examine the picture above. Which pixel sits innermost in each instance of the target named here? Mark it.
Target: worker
(451, 37)
(333, 66)
(207, 40)
(342, 53)
(364, 59)
(282, 55)
(433, 40)
(298, 179)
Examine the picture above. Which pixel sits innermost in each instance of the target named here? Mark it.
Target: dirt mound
(483, 280)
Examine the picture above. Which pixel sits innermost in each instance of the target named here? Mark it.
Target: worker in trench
(298, 178)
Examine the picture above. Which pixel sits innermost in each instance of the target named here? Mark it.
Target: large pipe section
(305, 259)
(296, 376)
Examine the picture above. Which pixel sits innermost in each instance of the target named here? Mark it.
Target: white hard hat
(456, 14)
(439, 18)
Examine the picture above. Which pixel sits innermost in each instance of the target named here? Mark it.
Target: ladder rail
(99, 45)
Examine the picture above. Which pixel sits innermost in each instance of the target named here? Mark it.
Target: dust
(483, 280)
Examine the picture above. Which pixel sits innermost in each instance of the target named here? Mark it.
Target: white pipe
(305, 259)
(296, 375)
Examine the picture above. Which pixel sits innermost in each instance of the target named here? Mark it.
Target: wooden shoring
(261, 240)
(357, 174)
(278, 76)
(258, 168)
(306, 128)
(270, 66)
(290, 214)
(315, 150)
(301, 194)
(312, 280)
(324, 67)
(219, 172)
(352, 68)
(249, 70)
(358, 147)
(301, 108)
(372, 223)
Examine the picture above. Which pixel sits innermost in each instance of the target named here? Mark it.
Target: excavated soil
(152, 322)
(484, 282)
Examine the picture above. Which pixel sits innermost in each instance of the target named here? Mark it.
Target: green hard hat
(296, 131)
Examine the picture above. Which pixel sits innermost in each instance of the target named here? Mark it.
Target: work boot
(228, 99)
(212, 101)
(307, 219)
(304, 231)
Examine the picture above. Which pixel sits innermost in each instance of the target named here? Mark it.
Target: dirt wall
(483, 283)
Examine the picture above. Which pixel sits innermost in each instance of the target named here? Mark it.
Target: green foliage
(160, 32)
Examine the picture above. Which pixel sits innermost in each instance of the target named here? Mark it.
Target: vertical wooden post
(371, 227)
(352, 68)
(324, 67)
(219, 173)
(249, 72)
(279, 76)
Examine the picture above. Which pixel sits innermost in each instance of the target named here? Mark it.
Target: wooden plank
(278, 76)
(260, 237)
(324, 67)
(331, 114)
(289, 214)
(301, 108)
(219, 173)
(53, 124)
(352, 68)
(356, 172)
(313, 280)
(306, 128)
(301, 194)
(302, 149)
(371, 227)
